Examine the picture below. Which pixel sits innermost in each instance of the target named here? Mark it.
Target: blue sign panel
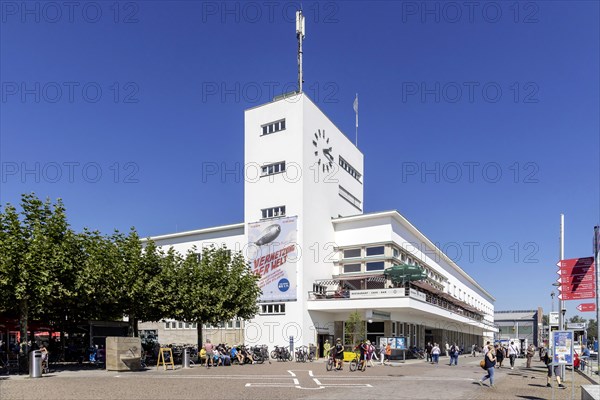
(562, 343)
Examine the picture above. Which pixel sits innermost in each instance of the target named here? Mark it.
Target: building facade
(522, 326)
(320, 257)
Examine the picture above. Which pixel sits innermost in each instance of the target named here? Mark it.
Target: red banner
(575, 262)
(577, 287)
(587, 294)
(586, 307)
(572, 279)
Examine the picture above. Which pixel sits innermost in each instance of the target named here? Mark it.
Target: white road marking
(310, 373)
(291, 373)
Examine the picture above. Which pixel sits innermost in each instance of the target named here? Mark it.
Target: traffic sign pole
(597, 262)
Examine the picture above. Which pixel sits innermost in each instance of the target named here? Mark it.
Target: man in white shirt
(513, 352)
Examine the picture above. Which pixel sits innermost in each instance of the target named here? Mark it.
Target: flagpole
(356, 111)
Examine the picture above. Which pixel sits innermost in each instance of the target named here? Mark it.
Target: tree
(32, 258)
(217, 287)
(138, 270)
(355, 329)
(592, 330)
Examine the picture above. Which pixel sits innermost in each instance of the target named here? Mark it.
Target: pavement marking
(291, 373)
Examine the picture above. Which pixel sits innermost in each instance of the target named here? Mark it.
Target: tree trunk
(133, 326)
(199, 330)
(23, 319)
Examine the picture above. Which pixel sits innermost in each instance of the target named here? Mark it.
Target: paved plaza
(291, 380)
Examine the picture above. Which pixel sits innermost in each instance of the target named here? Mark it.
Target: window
(350, 169)
(272, 169)
(273, 212)
(396, 252)
(351, 253)
(350, 198)
(272, 309)
(348, 268)
(375, 266)
(180, 325)
(273, 127)
(375, 251)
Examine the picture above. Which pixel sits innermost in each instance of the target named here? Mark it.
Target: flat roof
(403, 221)
(198, 231)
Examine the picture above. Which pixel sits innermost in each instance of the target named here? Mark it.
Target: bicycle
(358, 363)
(332, 362)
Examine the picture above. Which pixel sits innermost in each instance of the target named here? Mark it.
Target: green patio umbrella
(405, 273)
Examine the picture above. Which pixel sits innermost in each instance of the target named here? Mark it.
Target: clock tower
(298, 165)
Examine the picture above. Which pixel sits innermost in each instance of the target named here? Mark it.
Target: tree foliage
(355, 329)
(215, 287)
(50, 273)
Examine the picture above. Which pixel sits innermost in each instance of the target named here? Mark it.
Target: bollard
(185, 360)
(35, 364)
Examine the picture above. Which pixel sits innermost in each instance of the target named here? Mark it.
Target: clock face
(322, 150)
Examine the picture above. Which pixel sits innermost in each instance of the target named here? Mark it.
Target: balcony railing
(396, 292)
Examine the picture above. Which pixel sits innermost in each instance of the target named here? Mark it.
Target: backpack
(453, 349)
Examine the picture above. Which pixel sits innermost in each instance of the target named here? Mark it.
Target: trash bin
(185, 359)
(35, 364)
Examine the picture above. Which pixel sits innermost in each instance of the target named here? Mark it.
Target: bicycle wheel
(274, 355)
(329, 365)
(290, 357)
(353, 365)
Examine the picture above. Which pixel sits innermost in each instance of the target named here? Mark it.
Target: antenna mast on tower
(300, 32)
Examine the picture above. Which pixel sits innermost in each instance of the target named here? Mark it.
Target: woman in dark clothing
(499, 355)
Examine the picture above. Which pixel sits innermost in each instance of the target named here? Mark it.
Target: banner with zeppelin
(274, 255)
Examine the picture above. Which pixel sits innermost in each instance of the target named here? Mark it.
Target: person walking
(530, 353)
(454, 350)
(513, 353)
(489, 366)
(499, 355)
(388, 352)
(547, 357)
(473, 350)
(428, 349)
(435, 354)
(447, 347)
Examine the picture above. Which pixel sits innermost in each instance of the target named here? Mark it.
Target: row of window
(273, 127)
(350, 169)
(277, 308)
(370, 266)
(231, 324)
(350, 198)
(369, 251)
(180, 325)
(272, 169)
(435, 279)
(273, 212)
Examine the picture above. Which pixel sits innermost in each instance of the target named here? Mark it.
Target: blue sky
(480, 125)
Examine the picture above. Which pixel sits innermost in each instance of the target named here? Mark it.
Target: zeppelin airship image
(268, 235)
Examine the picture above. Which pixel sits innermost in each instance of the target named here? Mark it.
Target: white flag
(356, 108)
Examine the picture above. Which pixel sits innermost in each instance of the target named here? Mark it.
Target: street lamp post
(552, 296)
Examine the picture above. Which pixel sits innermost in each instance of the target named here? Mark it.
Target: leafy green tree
(592, 330)
(355, 329)
(32, 257)
(137, 270)
(217, 287)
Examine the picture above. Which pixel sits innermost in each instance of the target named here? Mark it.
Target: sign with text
(586, 307)
(553, 318)
(562, 343)
(376, 293)
(578, 295)
(273, 257)
(396, 343)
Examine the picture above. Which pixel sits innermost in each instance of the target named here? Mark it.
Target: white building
(320, 257)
